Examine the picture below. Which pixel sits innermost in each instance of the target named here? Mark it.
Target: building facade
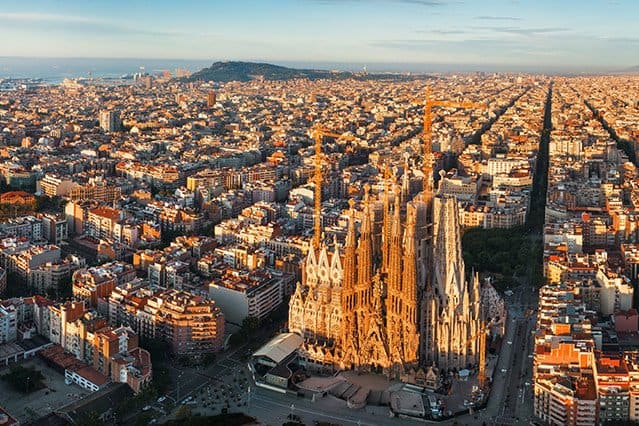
(393, 300)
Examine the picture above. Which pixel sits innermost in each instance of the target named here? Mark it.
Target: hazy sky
(554, 33)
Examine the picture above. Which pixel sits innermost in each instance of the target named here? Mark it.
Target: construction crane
(428, 136)
(318, 133)
(481, 336)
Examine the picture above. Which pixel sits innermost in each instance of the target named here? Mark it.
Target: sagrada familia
(394, 298)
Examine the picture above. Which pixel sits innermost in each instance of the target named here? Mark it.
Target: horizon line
(495, 67)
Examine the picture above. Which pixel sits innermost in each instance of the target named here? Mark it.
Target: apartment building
(248, 294)
(191, 324)
(101, 222)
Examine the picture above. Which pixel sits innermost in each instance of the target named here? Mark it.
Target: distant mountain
(246, 71)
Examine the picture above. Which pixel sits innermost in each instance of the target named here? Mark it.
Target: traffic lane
(525, 406)
(513, 402)
(509, 400)
(495, 402)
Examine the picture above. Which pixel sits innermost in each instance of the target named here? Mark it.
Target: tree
(161, 379)
(185, 360)
(143, 419)
(24, 379)
(208, 358)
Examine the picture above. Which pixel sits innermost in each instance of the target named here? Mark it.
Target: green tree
(208, 358)
(143, 419)
(24, 379)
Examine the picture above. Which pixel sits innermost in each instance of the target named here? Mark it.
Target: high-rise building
(109, 120)
(393, 300)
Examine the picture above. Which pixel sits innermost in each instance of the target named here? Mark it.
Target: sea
(55, 70)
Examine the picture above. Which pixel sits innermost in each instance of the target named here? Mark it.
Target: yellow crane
(428, 136)
(318, 133)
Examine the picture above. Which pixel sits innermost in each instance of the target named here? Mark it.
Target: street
(510, 401)
(273, 408)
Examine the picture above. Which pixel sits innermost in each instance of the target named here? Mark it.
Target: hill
(246, 71)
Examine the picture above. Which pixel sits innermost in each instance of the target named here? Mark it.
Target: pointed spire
(427, 193)
(349, 332)
(397, 224)
(405, 182)
(365, 252)
(366, 221)
(386, 221)
(395, 256)
(350, 234)
(317, 179)
(409, 266)
(350, 266)
(336, 263)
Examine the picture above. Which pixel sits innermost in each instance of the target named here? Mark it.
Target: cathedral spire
(405, 182)
(350, 271)
(409, 271)
(409, 299)
(365, 252)
(395, 259)
(386, 221)
(394, 296)
(427, 154)
(348, 332)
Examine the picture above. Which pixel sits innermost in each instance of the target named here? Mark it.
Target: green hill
(246, 71)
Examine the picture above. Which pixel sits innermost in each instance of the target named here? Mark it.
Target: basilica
(394, 297)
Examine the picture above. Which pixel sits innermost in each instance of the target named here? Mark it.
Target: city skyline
(393, 34)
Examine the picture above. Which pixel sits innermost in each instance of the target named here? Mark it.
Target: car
(530, 356)
(527, 383)
(503, 370)
(510, 342)
(146, 408)
(162, 399)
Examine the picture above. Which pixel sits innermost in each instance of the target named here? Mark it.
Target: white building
(53, 186)
(240, 297)
(86, 378)
(503, 164)
(8, 323)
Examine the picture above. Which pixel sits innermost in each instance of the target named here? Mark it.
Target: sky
(573, 35)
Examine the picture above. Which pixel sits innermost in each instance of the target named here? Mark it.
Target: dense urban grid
(455, 248)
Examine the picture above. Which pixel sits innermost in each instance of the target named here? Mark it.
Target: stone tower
(409, 307)
(453, 304)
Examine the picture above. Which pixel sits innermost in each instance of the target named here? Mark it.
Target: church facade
(393, 299)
